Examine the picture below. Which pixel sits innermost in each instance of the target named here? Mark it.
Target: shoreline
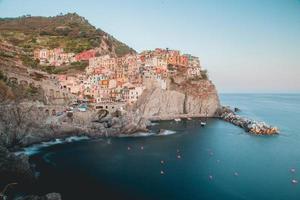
(234, 119)
(68, 133)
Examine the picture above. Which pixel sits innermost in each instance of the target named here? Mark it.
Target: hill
(71, 31)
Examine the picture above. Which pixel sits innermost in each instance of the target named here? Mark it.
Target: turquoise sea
(218, 161)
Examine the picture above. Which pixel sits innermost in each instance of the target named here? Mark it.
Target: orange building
(178, 60)
(104, 82)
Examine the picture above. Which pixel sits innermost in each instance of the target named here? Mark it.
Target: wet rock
(53, 196)
(50, 196)
(14, 168)
(236, 110)
(258, 128)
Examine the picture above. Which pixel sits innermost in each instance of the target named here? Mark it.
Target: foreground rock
(50, 196)
(258, 128)
(27, 123)
(14, 170)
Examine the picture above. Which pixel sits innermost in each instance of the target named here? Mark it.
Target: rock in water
(14, 168)
(50, 196)
(53, 196)
(258, 128)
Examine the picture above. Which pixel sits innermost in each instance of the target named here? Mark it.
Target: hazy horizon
(247, 46)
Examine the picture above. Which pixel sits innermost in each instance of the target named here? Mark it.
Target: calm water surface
(218, 161)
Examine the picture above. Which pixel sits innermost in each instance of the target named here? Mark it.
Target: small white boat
(177, 119)
(189, 118)
(293, 170)
(294, 181)
(203, 123)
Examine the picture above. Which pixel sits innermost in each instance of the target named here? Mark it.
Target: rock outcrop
(14, 168)
(183, 98)
(27, 123)
(50, 196)
(258, 128)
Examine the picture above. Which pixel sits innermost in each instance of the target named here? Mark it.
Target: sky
(246, 45)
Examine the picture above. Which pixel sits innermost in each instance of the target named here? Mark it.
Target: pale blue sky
(246, 45)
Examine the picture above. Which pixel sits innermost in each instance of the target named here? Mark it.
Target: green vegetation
(79, 65)
(2, 76)
(5, 92)
(29, 61)
(71, 32)
(6, 54)
(10, 90)
(171, 67)
(73, 67)
(195, 78)
(172, 80)
(204, 74)
(31, 90)
(122, 49)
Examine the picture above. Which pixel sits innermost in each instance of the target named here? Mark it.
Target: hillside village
(109, 79)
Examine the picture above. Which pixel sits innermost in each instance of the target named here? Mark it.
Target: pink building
(86, 55)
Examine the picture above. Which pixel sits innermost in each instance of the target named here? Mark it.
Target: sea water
(217, 161)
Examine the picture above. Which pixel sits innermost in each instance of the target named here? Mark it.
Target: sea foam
(166, 132)
(34, 149)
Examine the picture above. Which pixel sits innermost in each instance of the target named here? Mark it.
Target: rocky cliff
(182, 98)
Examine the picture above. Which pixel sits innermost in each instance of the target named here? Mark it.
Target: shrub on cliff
(29, 62)
(5, 92)
(204, 74)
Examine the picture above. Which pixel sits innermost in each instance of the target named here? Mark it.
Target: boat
(177, 119)
(294, 181)
(203, 123)
(189, 118)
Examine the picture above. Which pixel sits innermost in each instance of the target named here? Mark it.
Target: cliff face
(182, 98)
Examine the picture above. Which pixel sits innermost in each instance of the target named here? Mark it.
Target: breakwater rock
(258, 128)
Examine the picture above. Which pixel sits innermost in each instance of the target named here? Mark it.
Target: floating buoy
(178, 156)
(162, 172)
(293, 170)
(162, 162)
(236, 173)
(294, 181)
(210, 177)
(142, 147)
(128, 148)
